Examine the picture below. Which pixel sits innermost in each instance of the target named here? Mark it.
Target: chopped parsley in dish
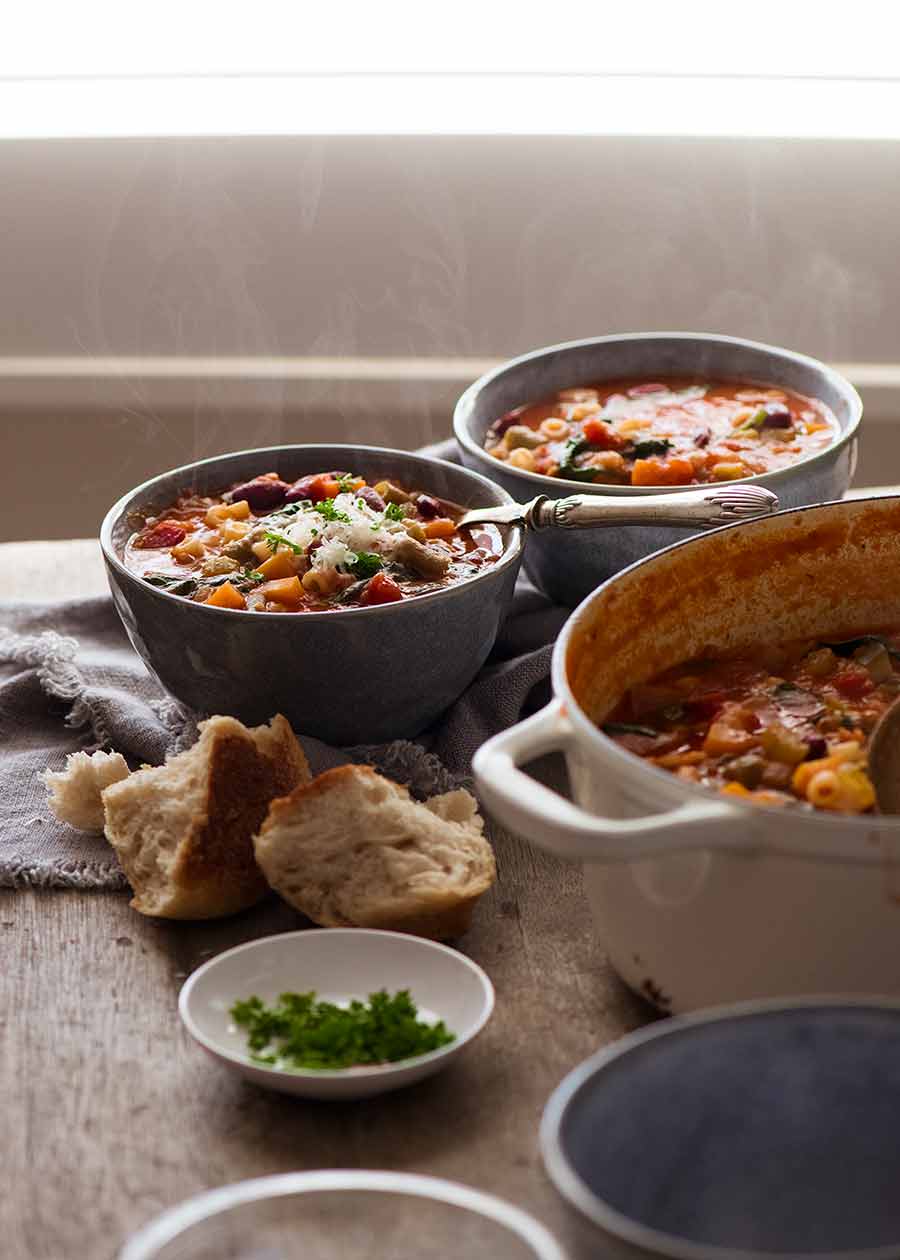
(299, 1033)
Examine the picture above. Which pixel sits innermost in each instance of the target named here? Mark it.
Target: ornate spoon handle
(703, 508)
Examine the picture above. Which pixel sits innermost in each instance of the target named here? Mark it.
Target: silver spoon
(701, 508)
(884, 759)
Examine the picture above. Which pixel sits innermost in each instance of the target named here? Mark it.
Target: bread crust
(207, 869)
(352, 849)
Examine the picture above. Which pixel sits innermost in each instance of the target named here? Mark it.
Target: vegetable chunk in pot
(796, 737)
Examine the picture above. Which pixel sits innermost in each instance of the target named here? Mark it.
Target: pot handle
(551, 822)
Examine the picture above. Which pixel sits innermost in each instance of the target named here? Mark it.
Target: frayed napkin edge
(53, 656)
(83, 876)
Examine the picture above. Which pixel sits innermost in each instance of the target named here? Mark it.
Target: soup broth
(667, 432)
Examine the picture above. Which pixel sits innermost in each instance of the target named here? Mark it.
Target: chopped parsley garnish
(327, 509)
(756, 421)
(278, 540)
(298, 1032)
(366, 564)
(651, 446)
(254, 575)
(345, 483)
(175, 584)
(293, 508)
(567, 466)
(395, 512)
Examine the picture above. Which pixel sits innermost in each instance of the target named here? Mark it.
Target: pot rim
(595, 1209)
(465, 404)
(512, 550)
(620, 759)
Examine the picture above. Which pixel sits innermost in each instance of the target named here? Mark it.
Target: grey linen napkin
(70, 680)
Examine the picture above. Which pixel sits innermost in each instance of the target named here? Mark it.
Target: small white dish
(339, 964)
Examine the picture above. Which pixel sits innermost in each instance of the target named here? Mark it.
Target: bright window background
(769, 37)
(231, 225)
(783, 69)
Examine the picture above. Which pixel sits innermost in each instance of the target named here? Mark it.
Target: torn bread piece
(75, 791)
(183, 831)
(353, 849)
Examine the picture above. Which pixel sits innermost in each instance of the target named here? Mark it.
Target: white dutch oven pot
(700, 899)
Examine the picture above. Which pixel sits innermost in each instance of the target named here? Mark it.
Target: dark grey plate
(757, 1130)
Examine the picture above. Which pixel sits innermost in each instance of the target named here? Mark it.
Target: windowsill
(175, 384)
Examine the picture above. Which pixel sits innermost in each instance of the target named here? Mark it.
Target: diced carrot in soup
(441, 528)
(225, 596)
(281, 565)
(283, 590)
(662, 472)
(602, 435)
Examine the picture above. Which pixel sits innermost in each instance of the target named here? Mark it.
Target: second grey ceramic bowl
(361, 675)
(569, 566)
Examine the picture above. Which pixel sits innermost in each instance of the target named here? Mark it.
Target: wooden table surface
(111, 1114)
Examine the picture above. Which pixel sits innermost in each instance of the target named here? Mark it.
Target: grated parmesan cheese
(342, 540)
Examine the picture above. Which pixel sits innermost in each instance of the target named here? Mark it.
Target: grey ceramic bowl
(568, 566)
(740, 1133)
(361, 675)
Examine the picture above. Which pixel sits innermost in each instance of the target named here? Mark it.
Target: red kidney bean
(310, 486)
(428, 507)
(701, 438)
(499, 427)
(372, 498)
(778, 416)
(818, 748)
(262, 493)
(301, 489)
